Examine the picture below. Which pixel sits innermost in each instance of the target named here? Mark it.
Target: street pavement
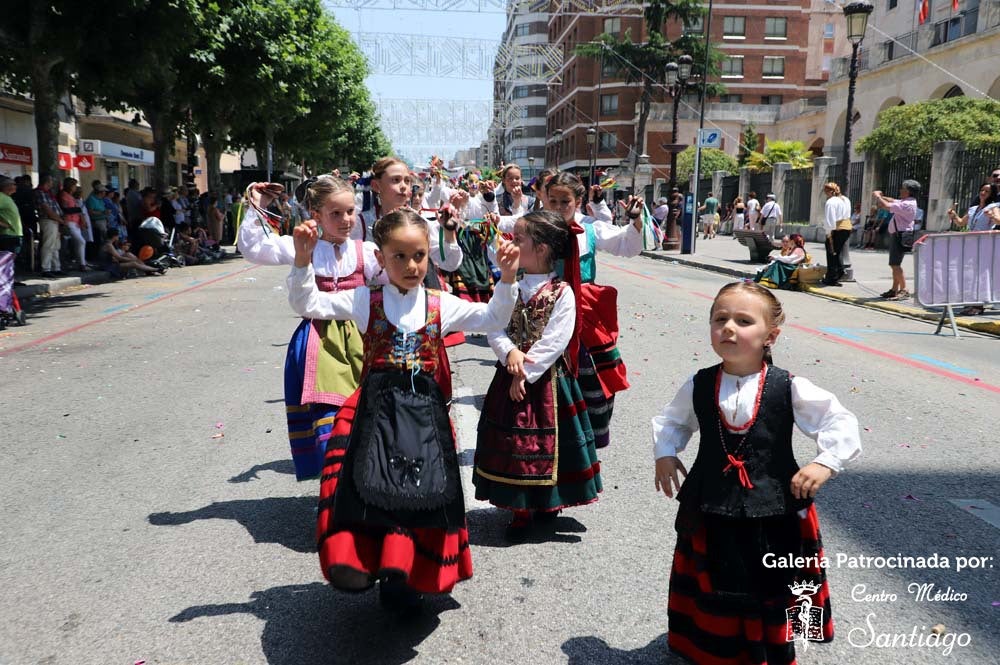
(150, 512)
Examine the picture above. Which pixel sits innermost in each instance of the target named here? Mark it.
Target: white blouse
(406, 311)
(271, 249)
(836, 209)
(818, 414)
(555, 336)
(623, 241)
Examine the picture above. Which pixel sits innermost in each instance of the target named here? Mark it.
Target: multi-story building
(519, 91)
(776, 60)
(954, 52)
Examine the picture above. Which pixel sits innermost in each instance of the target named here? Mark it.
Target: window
(613, 25)
(695, 26)
(522, 30)
(774, 66)
(828, 31)
(732, 67)
(734, 26)
(775, 28)
(827, 62)
(892, 4)
(520, 91)
(522, 112)
(519, 153)
(611, 69)
(730, 99)
(517, 133)
(771, 100)
(609, 104)
(608, 143)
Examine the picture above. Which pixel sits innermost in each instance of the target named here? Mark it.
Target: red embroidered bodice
(387, 347)
(352, 281)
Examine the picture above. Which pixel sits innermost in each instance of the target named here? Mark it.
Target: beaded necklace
(735, 457)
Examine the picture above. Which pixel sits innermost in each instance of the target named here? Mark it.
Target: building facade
(954, 52)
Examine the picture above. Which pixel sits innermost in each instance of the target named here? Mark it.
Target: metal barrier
(957, 269)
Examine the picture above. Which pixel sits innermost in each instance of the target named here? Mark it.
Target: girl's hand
(487, 186)
(809, 479)
(515, 363)
(262, 193)
(633, 209)
(517, 391)
(595, 193)
(448, 218)
(667, 479)
(305, 236)
(508, 255)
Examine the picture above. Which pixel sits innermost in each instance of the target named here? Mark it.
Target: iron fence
(704, 187)
(974, 168)
(857, 175)
(798, 194)
(895, 171)
(760, 183)
(730, 189)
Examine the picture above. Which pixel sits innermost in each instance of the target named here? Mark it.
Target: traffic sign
(709, 138)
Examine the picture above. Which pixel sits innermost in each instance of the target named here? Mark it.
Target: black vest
(767, 454)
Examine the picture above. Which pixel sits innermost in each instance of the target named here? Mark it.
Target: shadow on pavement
(285, 466)
(39, 306)
(590, 650)
(487, 525)
(286, 521)
(313, 623)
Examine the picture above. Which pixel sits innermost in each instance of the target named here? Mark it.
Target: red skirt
(726, 609)
(354, 556)
(599, 334)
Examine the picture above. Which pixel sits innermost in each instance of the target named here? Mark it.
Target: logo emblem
(804, 621)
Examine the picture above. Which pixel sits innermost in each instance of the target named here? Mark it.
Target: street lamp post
(591, 140)
(557, 134)
(857, 22)
(677, 76)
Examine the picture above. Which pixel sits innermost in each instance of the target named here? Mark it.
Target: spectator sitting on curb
(186, 245)
(119, 260)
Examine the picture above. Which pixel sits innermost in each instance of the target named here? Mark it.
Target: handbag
(906, 239)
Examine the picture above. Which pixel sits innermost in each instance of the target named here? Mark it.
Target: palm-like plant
(793, 152)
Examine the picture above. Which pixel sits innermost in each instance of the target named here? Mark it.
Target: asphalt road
(130, 530)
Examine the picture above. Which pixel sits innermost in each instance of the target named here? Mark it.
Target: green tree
(915, 128)
(712, 160)
(43, 51)
(748, 143)
(645, 63)
(793, 152)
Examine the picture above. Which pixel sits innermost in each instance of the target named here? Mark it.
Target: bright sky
(433, 24)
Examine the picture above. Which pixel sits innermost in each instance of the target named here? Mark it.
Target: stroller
(10, 307)
(152, 245)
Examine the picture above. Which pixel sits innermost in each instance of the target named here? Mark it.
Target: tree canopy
(712, 160)
(915, 128)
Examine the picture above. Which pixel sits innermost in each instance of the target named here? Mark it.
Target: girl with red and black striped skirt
(748, 577)
(535, 451)
(391, 507)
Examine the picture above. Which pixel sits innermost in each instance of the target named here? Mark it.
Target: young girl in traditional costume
(535, 451)
(323, 360)
(391, 505)
(745, 498)
(602, 373)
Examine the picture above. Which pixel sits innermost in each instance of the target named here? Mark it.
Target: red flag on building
(84, 162)
(925, 10)
(954, 5)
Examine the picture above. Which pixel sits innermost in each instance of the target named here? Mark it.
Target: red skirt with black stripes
(727, 608)
(354, 556)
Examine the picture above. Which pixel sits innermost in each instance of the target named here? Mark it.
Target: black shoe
(891, 293)
(48, 274)
(517, 530)
(60, 273)
(394, 595)
(546, 516)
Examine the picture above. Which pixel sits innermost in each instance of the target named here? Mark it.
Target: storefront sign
(65, 161)
(84, 162)
(110, 150)
(15, 154)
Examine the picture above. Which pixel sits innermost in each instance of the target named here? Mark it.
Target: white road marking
(981, 508)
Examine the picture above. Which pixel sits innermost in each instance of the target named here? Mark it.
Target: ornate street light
(857, 23)
(591, 140)
(677, 75)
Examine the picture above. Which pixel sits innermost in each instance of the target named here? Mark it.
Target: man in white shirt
(770, 215)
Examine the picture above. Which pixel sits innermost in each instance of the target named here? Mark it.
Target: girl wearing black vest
(748, 576)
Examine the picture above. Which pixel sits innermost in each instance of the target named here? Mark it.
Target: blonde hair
(774, 312)
(832, 187)
(324, 186)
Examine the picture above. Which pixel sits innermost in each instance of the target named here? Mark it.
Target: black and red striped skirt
(727, 608)
(353, 556)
